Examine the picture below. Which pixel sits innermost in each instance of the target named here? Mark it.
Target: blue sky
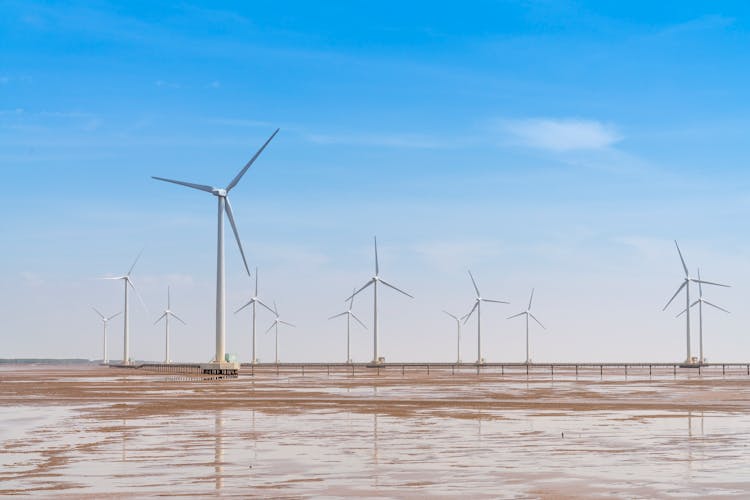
(556, 145)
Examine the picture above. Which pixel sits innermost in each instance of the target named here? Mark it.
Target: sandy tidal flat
(91, 432)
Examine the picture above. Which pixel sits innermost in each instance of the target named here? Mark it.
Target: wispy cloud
(417, 141)
(559, 134)
(166, 84)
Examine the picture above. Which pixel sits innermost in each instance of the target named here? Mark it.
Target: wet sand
(94, 431)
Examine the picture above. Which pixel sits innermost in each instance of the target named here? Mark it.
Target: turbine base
(222, 369)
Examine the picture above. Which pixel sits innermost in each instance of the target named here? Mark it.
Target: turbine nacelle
(222, 193)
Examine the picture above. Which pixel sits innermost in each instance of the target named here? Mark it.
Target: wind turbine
(686, 285)
(528, 314)
(254, 300)
(478, 308)
(128, 282)
(700, 303)
(349, 315)
(105, 320)
(458, 335)
(224, 206)
(374, 281)
(275, 325)
(167, 313)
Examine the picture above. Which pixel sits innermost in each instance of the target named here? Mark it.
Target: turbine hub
(219, 192)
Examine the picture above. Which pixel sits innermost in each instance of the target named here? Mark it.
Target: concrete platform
(223, 369)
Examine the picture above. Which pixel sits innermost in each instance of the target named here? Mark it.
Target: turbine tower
(167, 313)
(105, 320)
(222, 196)
(528, 315)
(275, 325)
(478, 308)
(254, 300)
(686, 285)
(374, 281)
(458, 335)
(349, 315)
(128, 282)
(700, 303)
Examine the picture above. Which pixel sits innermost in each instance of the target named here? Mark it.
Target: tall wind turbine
(349, 315)
(686, 285)
(254, 300)
(167, 313)
(458, 335)
(276, 322)
(222, 196)
(374, 282)
(700, 303)
(528, 315)
(128, 282)
(478, 308)
(105, 320)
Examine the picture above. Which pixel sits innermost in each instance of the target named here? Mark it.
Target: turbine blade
(114, 316)
(516, 315)
(256, 281)
(160, 318)
(134, 262)
(140, 299)
(287, 324)
(100, 314)
(495, 301)
(700, 285)
(248, 164)
(530, 299)
(228, 210)
(710, 283)
(684, 266)
(178, 318)
(201, 187)
(476, 288)
(264, 305)
(363, 287)
(397, 289)
(275, 310)
(717, 307)
(538, 322)
(357, 320)
(244, 306)
(351, 300)
(169, 300)
(449, 314)
(675, 295)
(271, 327)
(680, 313)
(468, 315)
(339, 315)
(377, 266)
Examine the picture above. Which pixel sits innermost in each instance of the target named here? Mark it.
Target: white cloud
(560, 134)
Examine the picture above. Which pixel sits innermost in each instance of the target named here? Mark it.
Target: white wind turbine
(686, 285)
(374, 282)
(700, 303)
(167, 313)
(458, 335)
(254, 300)
(224, 206)
(128, 282)
(478, 308)
(349, 315)
(276, 322)
(105, 320)
(528, 315)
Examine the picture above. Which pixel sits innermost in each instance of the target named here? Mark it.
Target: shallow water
(402, 437)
